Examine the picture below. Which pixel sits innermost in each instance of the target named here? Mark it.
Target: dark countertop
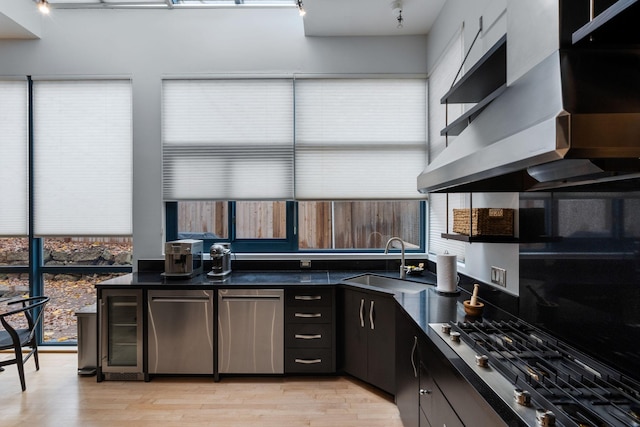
(251, 279)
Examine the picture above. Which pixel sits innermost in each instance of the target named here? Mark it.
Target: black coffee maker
(220, 260)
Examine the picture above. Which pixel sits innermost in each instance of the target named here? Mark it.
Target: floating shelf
(607, 17)
(460, 124)
(486, 75)
(499, 239)
(485, 239)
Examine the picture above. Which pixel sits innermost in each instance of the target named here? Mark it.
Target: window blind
(227, 139)
(438, 214)
(82, 158)
(440, 81)
(359, 138)
(14, 158)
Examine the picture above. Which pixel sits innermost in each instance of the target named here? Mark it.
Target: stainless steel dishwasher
(180, 331)
(251, 331)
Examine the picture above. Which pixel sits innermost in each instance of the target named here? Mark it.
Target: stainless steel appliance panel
(180, 331)
(251, 331)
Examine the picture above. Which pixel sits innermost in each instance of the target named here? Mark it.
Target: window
(359, 225)
(359, 145)
(321, 226)
(80, 157)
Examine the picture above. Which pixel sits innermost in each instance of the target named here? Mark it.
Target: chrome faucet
(403, 272)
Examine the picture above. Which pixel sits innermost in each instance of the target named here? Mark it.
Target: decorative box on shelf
(484, 221)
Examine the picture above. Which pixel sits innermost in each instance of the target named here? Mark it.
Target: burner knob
(482, 360)
(455, 336)
(545, 418)
(522, 397)
(446, 328)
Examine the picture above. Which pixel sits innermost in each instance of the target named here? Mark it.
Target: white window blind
(359, 138)
(438, 215)
(440, 81)
(14, 158)
(83, 158)
(227, 139)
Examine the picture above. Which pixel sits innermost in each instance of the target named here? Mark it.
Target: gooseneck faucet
(403, 272)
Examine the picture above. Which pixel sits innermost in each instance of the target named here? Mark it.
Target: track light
(43, 6)
(396, 7)
(301, 8)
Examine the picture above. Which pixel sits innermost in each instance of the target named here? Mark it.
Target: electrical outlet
(305, 263)
(499, 276)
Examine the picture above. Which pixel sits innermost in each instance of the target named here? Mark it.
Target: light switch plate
(305, 263)
(499, 276)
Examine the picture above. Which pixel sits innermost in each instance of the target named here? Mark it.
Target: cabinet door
(355, 333)
(120, 317)
(380, 325)
(407, 364)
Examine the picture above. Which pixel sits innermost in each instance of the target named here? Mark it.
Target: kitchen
(276, 44)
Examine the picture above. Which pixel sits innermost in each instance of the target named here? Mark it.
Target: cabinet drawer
(308, 315)
(309, 297)
(305, 335)
(300, 361)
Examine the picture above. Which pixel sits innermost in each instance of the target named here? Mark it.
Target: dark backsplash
(581, 280)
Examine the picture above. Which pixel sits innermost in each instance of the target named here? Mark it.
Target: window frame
(287, 245)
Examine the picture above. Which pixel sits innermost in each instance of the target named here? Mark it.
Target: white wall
(456, 14)
(149, 44)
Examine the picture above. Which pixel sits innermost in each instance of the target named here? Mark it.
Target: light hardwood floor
(57, 396)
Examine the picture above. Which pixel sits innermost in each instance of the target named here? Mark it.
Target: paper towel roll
(446, 273)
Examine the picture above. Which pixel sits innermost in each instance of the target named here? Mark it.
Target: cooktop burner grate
(577, 389)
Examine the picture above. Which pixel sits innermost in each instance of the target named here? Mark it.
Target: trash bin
(87, 340)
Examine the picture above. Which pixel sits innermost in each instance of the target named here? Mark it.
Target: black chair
(16, 337)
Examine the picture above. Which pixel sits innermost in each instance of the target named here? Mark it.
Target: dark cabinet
(407, 370)
(309, 330)
(430, 392)
(433, 404)
(369, 337)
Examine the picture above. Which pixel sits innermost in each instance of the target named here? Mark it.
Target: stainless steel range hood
(570, 122)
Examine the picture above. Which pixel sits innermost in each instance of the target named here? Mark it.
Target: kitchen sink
(389, 283)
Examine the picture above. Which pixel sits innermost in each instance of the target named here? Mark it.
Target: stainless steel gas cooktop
(545, 381)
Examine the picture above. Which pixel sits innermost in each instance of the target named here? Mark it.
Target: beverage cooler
(120, 314)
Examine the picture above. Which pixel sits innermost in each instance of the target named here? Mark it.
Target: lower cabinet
(121, 335)
(407, 370)
(429, 390)
(368, 321)
(180, 331)
(309, 330)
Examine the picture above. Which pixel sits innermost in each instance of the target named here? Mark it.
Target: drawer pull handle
(308, 361)
(308, 297)
(308, 337)
(307, 315)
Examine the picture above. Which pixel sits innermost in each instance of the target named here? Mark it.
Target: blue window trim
(289, 244)
(275, 245)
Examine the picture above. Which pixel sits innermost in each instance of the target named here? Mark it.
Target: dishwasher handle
(180, 299)
(252, 298)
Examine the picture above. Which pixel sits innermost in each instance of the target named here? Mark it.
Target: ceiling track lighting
(301, 8)
(396, 7)
(43, 6)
